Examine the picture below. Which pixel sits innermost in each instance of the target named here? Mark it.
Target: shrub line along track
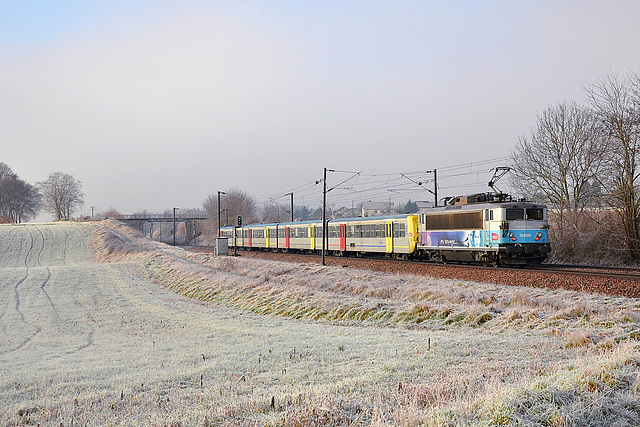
(613, 282)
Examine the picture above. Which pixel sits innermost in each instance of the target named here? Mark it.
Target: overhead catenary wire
(363, 187)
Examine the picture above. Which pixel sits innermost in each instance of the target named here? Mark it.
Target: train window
(488, 215)
(536, 214)
(515, 214)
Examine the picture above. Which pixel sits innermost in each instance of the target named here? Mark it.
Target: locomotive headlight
(538, 236)
(512, 237)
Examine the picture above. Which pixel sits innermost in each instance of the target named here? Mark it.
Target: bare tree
(6, 171)
(561, 159)
(19, 200)
(62, 194)
(616, 102)
(274, 212)
(112, 213)
(233, 203)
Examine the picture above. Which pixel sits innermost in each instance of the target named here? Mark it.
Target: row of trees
(60, 194)
(582, 160)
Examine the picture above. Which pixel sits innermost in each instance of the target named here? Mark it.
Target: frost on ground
(100, 326)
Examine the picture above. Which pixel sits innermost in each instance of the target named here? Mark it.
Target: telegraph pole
(324, 214)
(291, 194)
(435, 187)
(219, 193)
(325, 235)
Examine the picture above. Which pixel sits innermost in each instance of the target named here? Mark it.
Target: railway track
(588, 271)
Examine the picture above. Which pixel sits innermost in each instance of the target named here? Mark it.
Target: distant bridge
(189, 227)
(162, 217)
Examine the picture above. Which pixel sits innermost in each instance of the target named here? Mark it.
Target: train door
(312, 235)
(388, 232)
(266, 237)
(343, 237)
(286, 237)
(250, 233)
(276, 236)
(492, 228)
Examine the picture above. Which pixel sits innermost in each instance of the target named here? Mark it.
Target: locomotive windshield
(515, 214)
(535, 214)
(518, 214)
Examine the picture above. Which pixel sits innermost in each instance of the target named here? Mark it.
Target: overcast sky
(155, 104)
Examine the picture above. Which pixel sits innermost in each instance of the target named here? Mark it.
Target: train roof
(319, 221)
(439, 209)
(372, 218)
(481, 206)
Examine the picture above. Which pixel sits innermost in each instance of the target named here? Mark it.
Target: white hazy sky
(155, 104)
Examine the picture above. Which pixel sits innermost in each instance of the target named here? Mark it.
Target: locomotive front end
(521, 230)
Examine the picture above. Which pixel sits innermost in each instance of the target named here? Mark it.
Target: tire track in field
(48, 272)
(16, 293)
(87, 331)
(9, 241)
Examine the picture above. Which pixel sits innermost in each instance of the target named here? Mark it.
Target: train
(486, 228)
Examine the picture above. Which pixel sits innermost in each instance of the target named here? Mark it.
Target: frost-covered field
(99, 326)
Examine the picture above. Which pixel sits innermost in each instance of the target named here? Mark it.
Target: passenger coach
(394, 235)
